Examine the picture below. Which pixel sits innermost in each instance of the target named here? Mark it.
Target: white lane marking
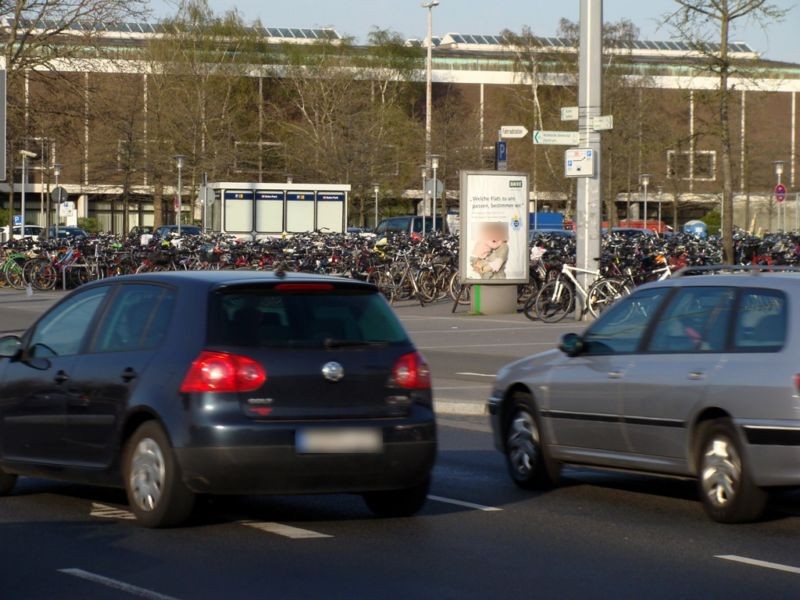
(117, 585)
(464, 408)
(437, 388)
(109, 512)
(486, 330)
(288, 531)
(476, 374)
(526, 344)
(465, 504)
(463, 425)
(759, 563)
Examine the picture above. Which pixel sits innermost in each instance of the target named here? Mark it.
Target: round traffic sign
(780, 192)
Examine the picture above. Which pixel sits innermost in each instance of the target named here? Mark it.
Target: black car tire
(724, 481)
(7, 482)
(149, 465)
(398, 503)
(527, 458)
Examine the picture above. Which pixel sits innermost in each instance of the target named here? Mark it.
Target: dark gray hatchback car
(690, 377)
(174, 384)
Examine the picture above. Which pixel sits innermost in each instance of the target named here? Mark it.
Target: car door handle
(696, 375)
(615, 374)
(128, 375)
(61, 377)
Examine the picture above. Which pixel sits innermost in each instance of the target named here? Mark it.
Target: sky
(779, 41)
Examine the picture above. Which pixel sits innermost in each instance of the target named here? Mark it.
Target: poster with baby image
(494, 227)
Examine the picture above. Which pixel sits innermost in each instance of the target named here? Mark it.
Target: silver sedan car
(690, 377)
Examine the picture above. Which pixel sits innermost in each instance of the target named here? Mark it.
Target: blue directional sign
(238, 194)
(300, 195)
(270, 195)
(330, 196)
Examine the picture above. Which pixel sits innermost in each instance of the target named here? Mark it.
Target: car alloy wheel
(147, 474)
(523, 444)
(725, 484)
(722, 471)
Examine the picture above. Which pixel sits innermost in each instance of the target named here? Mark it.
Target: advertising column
(494, 238)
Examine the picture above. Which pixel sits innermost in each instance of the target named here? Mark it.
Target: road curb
(459, 407)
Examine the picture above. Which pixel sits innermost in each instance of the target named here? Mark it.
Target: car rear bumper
(264, 459)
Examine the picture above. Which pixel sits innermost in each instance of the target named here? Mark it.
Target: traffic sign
(579, 162)
(556, 138)
(17, 220)
(59, 195)
(569, 113)
(501, 156)
(513, 132)
(429, 188)
(780, 192)
(603, 123)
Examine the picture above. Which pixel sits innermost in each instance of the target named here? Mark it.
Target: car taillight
(223, 372)
(797, 384)
(411, 372)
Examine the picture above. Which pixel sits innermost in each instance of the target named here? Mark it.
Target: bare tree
(40, 32)
(697, 21)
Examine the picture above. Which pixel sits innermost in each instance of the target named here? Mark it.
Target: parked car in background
(64, 232)
(167, 230)
(31, 231)
(407, 224)
(223, 382)
(695, 376)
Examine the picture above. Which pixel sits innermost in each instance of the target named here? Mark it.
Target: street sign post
(556, 138)
(17, 220)
(513, 132)
(429, 191)
(569, 113)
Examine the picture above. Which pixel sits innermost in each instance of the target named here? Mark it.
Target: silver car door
(668, 380)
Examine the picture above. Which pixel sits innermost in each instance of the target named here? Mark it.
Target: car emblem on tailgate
(332, 371)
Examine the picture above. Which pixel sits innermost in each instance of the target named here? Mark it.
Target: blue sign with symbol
(17, 220)
(238, 195)
(270, 195)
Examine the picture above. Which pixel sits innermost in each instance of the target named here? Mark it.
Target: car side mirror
(571, 344)
(10, 346)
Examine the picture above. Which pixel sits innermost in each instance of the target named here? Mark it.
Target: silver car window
(696, 320)
(620, 329)
(761, 321)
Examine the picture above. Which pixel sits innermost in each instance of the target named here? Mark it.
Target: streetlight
(26, 154)
(435, 187)
(644, 181)
(778, 172)
(424, 198)
(660, 191)
(376, 188)
(180, 159)
(428, 80)
(57, 173)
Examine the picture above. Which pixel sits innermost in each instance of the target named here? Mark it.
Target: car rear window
(266, 316)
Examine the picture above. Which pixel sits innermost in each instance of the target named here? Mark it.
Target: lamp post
(660, 192)
(180, 159)
(434, 187)
(644, 181)
(778, 172)
(26, 154)
(376, 188)
(424, 198)
(428, 80)
(57, 174)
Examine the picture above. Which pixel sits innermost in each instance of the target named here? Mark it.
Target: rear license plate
(339, 441)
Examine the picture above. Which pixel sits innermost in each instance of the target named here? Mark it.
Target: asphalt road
(599, 535)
